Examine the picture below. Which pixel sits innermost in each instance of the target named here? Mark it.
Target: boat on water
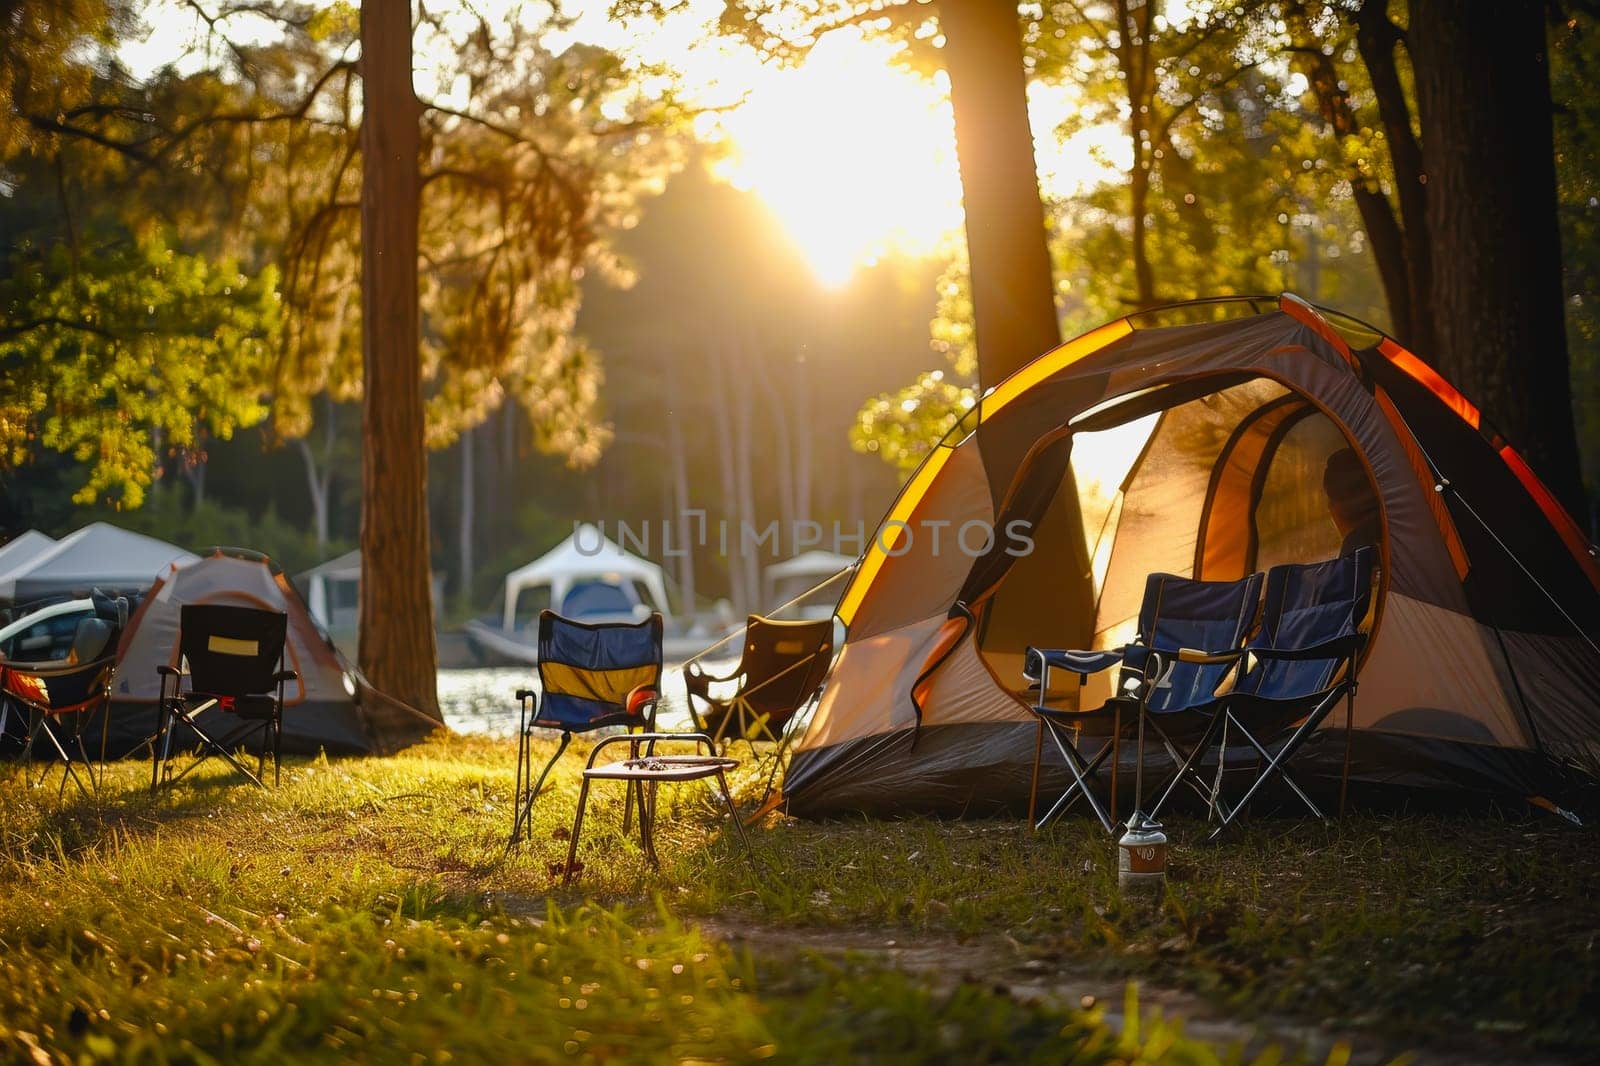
(590, 579)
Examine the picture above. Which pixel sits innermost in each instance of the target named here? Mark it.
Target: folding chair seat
(58, 700)
(235, 664)
(1304, 659)
(1176, 613)
(590, 677)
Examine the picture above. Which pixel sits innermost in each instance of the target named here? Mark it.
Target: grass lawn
(367, 910)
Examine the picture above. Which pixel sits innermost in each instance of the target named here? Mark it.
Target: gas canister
(1142, 857)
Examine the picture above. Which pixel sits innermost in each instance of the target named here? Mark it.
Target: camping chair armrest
(168, 671)
(1036, 660)
(635, 739)
(1195, 655)
(1337, 648)
(283, 677)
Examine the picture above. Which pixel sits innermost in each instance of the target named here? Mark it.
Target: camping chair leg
(156, 744)
(1186, 769)
(727, 797)
(34, 717)
(524, 814)
(1349, 735)
(1085, 771)
(227, 755)
(647, 822)
(67, 768)
(577, 829)
(1274, 765)
(1214, 808)
(1038, 756)
(1082, 771)
(105, 733)
(628, 792)
(1116, 760)
(83, 751)
(524, 774)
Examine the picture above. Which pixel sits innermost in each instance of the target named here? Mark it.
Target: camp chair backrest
(58, 687)
(783, 663)
(1308, 604)
(231, 651)
(1212, 616)
(587, 671)
(90, 640)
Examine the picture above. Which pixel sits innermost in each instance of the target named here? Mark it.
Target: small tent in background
(1198, 439)
(333, 591)
(321, 710)
(22, 548)
(100, 556)
(799, 578)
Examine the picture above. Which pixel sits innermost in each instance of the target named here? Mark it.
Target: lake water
(483, 701)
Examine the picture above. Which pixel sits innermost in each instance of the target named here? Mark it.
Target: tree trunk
(722, 422)
(1133, 57)
(1483, 92)
(1013, 292)
(687, 528)
(782, 436)
(802, 439)
(397, 654)
(1376, 38)
(748, 555)
(317, 482)
(1013, 287)
(468, 498)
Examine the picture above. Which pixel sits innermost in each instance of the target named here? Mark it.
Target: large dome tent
(1193, 440)
(327, 709)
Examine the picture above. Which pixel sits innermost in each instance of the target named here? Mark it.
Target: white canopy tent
(22, 548)
(793, 577)
(587, 555)
(321, 583)
(99, 555)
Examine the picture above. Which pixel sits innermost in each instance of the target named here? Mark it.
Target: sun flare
(855, 156)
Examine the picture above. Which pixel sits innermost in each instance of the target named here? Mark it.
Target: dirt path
(1000, 962)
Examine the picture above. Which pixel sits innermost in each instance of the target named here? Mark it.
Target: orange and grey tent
(1193, 441)
(326, 708)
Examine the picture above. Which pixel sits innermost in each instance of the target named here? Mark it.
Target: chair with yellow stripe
(590, 677)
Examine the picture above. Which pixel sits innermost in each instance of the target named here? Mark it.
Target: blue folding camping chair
(1176, 613)
(590, 677)
(1297, 668)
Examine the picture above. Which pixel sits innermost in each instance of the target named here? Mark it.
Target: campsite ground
(367, 910)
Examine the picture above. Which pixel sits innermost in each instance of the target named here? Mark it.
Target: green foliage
(902, 427)
(47, 68)
(106, 352)
(524, 185)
